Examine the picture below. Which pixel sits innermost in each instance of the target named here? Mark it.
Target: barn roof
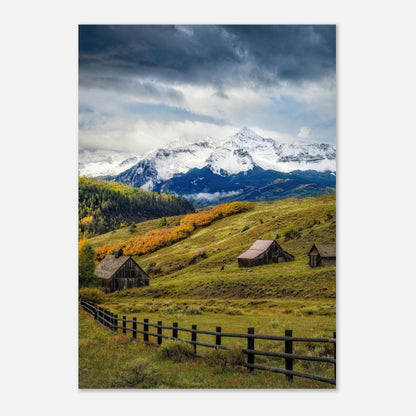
(259, 247)
(109, 265)
(325, 250)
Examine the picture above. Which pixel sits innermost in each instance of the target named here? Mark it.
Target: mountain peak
(247, 137)
(245, 131)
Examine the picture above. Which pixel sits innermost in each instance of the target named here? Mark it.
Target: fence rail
(111, 321)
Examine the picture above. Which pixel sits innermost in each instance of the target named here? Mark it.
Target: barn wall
(329, 261)
(130, 275)
(245, 263)
(315, 260)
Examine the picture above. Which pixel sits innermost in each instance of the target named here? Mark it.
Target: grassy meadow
(188, 286)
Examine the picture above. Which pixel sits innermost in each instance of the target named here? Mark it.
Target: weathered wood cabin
(264, 252)
(322, 255)
(118, 272)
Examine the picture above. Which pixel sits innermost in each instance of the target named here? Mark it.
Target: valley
(197, 281)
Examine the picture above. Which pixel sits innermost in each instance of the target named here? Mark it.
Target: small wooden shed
(322, 255)
(118, 272)
(264, 252)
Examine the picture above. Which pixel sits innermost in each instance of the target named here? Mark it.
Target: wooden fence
(112, 321)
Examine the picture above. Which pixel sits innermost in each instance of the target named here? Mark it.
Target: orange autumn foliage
(156, 239)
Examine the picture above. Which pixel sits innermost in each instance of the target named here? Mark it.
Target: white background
(375, 191)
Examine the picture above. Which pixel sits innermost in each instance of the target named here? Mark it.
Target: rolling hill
(187, 286)
(105, 206)
(191, 267)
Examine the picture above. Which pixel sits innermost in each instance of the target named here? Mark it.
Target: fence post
(175, 330)
(124, 324)
(289, 350)
(116, 322)
(218, 337)
(335, 356)
(134, 328)
(159, 332)
(95, 312)
(250, 346)
(194, 337)
(145, 330)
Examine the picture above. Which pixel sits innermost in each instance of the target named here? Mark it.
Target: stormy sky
(143, 86)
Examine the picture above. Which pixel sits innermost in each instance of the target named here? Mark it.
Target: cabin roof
(109, 265)
(325, 250)
(259, 247)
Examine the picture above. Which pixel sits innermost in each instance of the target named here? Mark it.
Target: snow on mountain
(171, 161)
(93, 163)
(232, 155)
(230, 159)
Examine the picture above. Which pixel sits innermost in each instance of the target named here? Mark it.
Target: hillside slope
(104, 206)
(191, 268)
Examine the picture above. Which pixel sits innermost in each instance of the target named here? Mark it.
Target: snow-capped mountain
(239, 153)
(234, 167)
(94, 163)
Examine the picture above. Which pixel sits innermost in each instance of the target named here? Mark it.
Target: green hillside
(188, 286)
(191, 268)
(105, 206)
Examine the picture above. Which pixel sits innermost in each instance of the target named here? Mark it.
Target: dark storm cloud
(131, 86)
(216, 55)
(298, 52)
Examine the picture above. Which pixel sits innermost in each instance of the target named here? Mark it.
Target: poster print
(207, 206)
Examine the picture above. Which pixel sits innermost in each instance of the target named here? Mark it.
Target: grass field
(187, 286)
(111, 361)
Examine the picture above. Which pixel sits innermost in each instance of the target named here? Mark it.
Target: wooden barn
(264, 252)
(118, 272)
(322, 255)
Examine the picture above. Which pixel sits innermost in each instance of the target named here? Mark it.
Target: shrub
(162, 237)
(177, 351)
(194, 311)
(92, 294)
(163, 222)
(330, 213)
(139, 373)
(277, 236)
(291, 232)
(132, 228)
(233, 311)
(225, 359)
(311, 223)
(199, 255)
(245, 228)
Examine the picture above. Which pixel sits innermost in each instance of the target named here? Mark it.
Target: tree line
(158, 238)
(104, 206)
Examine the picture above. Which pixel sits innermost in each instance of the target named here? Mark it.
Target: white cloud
(305, 132)
(210, 196)
(110, 126)
(141, 136)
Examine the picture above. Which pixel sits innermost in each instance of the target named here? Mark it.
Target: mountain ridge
(232, 168)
